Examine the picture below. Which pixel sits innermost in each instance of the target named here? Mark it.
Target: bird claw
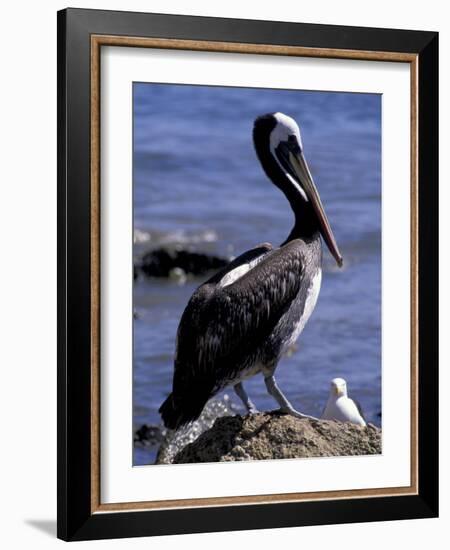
(297, 414)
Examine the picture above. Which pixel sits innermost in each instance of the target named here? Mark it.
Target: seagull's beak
(301, 170)
(338, 390)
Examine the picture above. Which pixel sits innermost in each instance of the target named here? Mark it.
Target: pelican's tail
(178, 413)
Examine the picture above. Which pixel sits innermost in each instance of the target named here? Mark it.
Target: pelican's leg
(285, 406)
(242, 394)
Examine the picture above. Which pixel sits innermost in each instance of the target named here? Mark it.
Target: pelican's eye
(293, 143)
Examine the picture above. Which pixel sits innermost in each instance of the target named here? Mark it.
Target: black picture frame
(76, 521)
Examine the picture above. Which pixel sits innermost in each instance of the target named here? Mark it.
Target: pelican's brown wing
(222, 327)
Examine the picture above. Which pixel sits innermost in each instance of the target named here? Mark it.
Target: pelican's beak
(301, 170)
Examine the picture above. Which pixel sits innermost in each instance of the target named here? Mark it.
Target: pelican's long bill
(300, 167)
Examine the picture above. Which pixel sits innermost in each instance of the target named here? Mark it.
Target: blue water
(197, 181)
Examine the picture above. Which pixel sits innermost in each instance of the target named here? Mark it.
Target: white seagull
(340, 407)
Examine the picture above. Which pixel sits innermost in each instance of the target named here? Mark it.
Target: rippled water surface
(197, 182)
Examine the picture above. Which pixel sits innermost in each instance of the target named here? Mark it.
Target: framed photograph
(247, 252)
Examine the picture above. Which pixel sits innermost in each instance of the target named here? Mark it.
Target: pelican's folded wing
(223, 325)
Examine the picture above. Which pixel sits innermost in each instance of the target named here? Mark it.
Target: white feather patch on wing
(238, 272)
(234, 275)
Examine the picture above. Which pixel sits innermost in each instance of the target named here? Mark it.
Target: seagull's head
(339, 387)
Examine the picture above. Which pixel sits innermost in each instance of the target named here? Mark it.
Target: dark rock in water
(148, 435)
(266, 436)
(162, 262)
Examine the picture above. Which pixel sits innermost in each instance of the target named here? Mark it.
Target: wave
(177, 236)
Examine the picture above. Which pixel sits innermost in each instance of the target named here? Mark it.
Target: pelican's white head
(338, 387)
(284, 128)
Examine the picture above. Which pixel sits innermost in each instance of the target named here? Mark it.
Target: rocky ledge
(265, 436)
(173, 261)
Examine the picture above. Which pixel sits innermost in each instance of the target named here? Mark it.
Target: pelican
(243, 319)
(340, 407)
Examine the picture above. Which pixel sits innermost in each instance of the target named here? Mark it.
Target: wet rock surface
(265, 436)
(171, 443)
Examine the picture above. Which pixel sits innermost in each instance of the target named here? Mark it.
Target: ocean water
(197, 182)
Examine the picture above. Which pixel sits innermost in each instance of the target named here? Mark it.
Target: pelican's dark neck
(306, 224)
(305, 227)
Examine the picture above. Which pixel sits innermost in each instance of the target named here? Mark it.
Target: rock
(174, 441)
(178, 275)
(164, 262)
(148, 435)
(266, 436)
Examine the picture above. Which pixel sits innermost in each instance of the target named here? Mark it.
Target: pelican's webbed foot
(285, 405)
(242, 394)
